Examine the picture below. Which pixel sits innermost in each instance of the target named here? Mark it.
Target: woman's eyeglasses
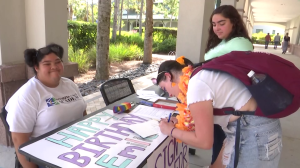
(48, 50)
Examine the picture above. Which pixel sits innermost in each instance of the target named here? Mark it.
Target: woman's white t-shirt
(39, 109)
(223, 89)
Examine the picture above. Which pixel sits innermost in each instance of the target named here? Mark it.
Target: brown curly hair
(238, 28)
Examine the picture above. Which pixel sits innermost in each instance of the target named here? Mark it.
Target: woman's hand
(166, 127)
(174, 120)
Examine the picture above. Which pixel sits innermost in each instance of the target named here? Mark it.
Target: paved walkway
(291, 140)
(95, 101)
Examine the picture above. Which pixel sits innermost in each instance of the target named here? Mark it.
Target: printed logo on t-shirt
(62, 100)
(51, 102)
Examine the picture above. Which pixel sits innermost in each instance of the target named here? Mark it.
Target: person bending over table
(45, 102)
(261, 138)
(227, 33)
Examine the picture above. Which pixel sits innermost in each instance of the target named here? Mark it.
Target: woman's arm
(202, 113)
(19, 139)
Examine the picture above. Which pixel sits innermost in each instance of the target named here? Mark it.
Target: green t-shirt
(235, 44)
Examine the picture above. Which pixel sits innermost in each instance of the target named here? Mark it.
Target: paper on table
(147, 96)
(156, 98)
(172, 98)
(145, 92)
(145, 129)
(151, 112)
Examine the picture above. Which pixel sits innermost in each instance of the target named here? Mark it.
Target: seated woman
(46, 101)
(260, 137)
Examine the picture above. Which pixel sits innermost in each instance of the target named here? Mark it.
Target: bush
(130, 39)
(123, 52)
(82, 35)
(162, 33)
(80, 57)
(82, 39)
(259, 38)
(166, 46)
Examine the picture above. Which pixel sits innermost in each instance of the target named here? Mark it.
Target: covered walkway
(291, 138)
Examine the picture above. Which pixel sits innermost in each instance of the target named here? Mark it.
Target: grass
(81, 58)
(124, 52)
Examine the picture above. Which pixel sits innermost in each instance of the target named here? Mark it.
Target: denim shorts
(260, 143)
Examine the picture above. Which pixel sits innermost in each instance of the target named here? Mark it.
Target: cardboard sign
(170, 154)
(93, 143)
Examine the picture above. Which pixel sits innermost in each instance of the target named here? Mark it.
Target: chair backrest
(116, 89)
(3, 115)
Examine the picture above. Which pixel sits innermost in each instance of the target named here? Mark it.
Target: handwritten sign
(102, 140)
(169, 154)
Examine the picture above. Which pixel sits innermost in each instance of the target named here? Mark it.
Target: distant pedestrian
(267, 40)
(286, 43)
(276, 40)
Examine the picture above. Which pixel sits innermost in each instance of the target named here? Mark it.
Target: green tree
(115, 26)
(103, 30)
(121, 14)
(73, 5)
(148, 33)
(169, 8)
(141, 17)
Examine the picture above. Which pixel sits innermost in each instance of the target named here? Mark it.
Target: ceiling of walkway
(275, 10)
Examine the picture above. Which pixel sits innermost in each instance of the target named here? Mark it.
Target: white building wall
(268, 29)
(293, 28)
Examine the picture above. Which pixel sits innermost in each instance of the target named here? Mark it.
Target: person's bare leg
(219, 163)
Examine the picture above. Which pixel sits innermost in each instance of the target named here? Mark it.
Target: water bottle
(256, 78)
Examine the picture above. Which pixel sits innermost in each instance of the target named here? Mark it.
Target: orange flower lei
(185, 119)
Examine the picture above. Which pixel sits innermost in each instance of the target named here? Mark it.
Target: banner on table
(102, 140)
(169, 154)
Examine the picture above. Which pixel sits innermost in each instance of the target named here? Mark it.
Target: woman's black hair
(238, 28)
(33, 57)
(171, 65)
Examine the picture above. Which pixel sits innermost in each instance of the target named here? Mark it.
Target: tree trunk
(92, 11)
(87, 10)
(121, 14)
(148, 33)
(171, 21)
(71, 13)
(115, 26)
(141, 17)
(103, 30)
(128, 26)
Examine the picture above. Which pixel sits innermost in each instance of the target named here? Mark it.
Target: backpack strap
(196, 70)
(237, 142)
(227, 111)
(238, 133)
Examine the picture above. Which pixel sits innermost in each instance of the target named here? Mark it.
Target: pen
(170, 117)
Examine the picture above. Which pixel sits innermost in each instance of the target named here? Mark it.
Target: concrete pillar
(12, 31)
(46, 22)
(28, 24)
(229, 2)
(193, 24)
(240, 6)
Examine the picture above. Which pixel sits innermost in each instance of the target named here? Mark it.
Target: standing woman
(286, 43)
(227, 33)
(45, 102)
(260, 137)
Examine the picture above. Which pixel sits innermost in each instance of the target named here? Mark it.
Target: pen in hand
(170, 117)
